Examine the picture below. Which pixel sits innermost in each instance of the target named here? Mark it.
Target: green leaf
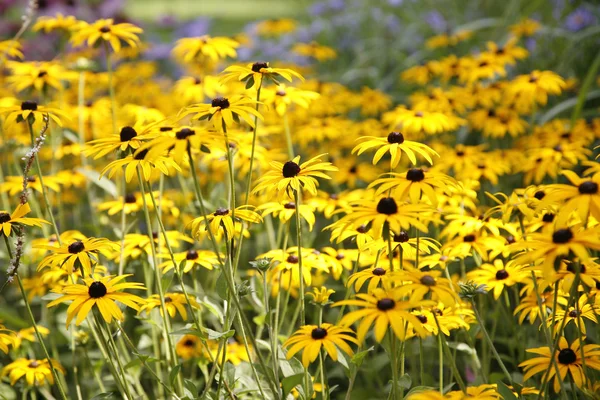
(250, 82)
(204, 149)
(215, 310)
(405, 381)
(214, 335)
(505, 392)
(222, 286)
(167, 279)
(191, 387)
(358, 358)
(590, 77)
(418, 389)
(189, 331)
(291, 382)
(141, 358)
(103, 182)
(173, 374)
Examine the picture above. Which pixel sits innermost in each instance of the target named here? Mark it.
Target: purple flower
(436, 21)
(196, 27)
(395, 3)
(579, 19)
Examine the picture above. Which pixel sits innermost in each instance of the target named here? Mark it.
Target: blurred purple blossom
(436, 21)
(581, 18)
(197, 27)
(395, 3)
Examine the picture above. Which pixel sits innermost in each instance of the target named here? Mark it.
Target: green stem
(455, 371)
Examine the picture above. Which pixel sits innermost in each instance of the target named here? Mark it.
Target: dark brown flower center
(362, 229)
(422, 318)
(428, 280)
(562, 236)
(539, 194)
(257, 66)
(401, 237)
(141, 155)
(168, 299)
(76, 247)
(588, 187)
(571, 267)
(318, 333)
(567, 356)
(573, 313)
(221, 102)
(292, 259)
(290, 205)
(33, 364)
(415, 174)
(469, 238)
(548, 217)
(42, 74)
(386, 304)
(184, 133)
(105, 29)
(340, 256)
(29, 105)
(221, 212)
(189, 343)
(387, 206)
(379, 271)
(130, 198)
(165, 128)
(4, 217)
(191, 255)
(97, 290)
(395, 137)
(290, 169)
(501, 274)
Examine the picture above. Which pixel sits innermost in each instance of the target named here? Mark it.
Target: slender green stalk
(288, 136)
(111, 88)
(393, 363)
(455, 371)
(490, 342)
(299, 244)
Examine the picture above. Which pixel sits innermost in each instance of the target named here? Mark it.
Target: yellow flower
(223, 219)
(107, 31)
(525, 27)
(414, 185)
(38, 75)
(311, 338)
(254, 74)
(29, 335)
(18, 218)
(205, 47)
(80, 253)
(102, 293)
(275, 27)
(223, 112)
(498, 275)
(395, 144)
(286, 210)
(314, 50)
(384, 309)
(204, 258)
(321, 295)
(174, 303)
(526, 90)
(30, 112)
(283, 97)
(7, 338)
(150, 167)
(291, 175)
(36, 372)
(10, 48)
(418, 122)
(57, 23)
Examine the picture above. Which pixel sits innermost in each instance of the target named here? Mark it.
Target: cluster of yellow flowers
(409, 211)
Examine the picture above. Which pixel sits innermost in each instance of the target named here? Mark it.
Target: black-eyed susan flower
(583, 309)
(9, 221)
(419, 284)
(283, 97)
(414, 184)
(311, 338)
(176, 143)
(568, 358)
(528, 307)
(399, 216)
(377, 276)
(254, 74)
(286, 210)
(7, 338)
(131, 203)
(382, 308)
(552, 246)
(149, 167)
(10, 48)
(191, 89)
(224, 112)
(107, 31)
(282, 178)
(29, 112)
(498, 275)
(36, 372)
(76, 254)
(581, 197)
(205, 47)
(419, 122)
(127, 139)
(174, 303)
(191, 258)
(525, 27)
(102, 293)
(38, 76)
(29, 335)
(396, 145)
(222, 219)
(189, 346)
(526, 90)
(58, 22)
